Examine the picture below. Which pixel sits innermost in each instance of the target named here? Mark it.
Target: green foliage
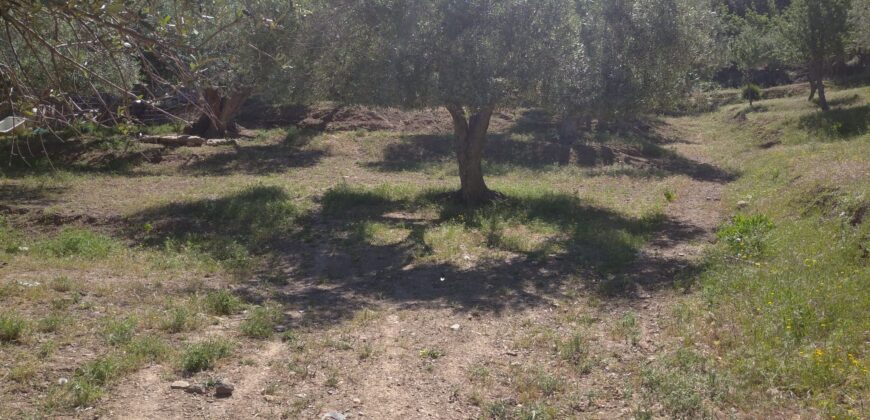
(117, 332)
(178, 319)
(751, 93)
(744, 235)
(12, 327)
(222, 302)
(261, 322)
(77, 243)
(203, 356)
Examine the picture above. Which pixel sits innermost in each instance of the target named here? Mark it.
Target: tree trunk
(470, 139)
(812, 89)
(569, 128)
(218, 112)
(823, 101)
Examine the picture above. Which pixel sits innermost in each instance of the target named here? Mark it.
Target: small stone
(510, 353)
(334, 416)
(223, 390)
(455, 327)
(742, 204)
(280, 328)
(179, 385)
(357, 401)
(62, 381)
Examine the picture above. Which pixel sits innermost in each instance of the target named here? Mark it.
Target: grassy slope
(784, 313)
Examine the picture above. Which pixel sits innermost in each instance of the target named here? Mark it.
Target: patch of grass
(12, 327)
(681, 385)
(50, 323)
(77, 243)
(62, 284)
(575, 351)
(178, 319)
(222, 302)
(149, 348)
(119, 331)
(202, 356)
(261, 322)
(627, 328)
(744, 235)
(534, 385)
(431, 353)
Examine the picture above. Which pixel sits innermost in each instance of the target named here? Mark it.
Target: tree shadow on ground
(260, 159)
(327, 263)
(839, 123)
(14, 198)
(645, 154)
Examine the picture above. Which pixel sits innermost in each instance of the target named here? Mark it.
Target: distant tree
(815, 34)
(754, 45)
(469, 56)
(859, 19)
(751, 93)
(634, 56)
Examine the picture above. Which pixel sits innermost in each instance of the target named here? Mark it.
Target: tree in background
(755, 43)
(469, 56)
(634, 56)
(815, 34)
(859, 19)
(751, 93)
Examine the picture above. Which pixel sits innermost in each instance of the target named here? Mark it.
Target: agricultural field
(713, 265)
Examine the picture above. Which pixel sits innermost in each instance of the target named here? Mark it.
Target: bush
(11, 327)
(202, 356)
(752, 93)
(119, 332)
(222, 303)
(261, 322)
(744, 235)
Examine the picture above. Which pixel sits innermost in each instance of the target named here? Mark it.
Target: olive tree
(469, 56)
(815, 34)
(637, 56)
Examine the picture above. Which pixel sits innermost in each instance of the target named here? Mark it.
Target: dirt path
(435, 349)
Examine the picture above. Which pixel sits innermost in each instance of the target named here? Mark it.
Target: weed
(222, 302)
(50, 323)
(431, 354)
(179, 319)
(670, 195)
(627, 328)
(62, 284)
(12, 327)
(117, 332)
(574, 351)
(744, 235)
(77, 243)
(203, 356)
(261, 322)
(148, 348)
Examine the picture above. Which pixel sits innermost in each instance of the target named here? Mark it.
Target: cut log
(174, 141)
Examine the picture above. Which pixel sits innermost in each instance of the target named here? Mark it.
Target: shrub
(119, 332)
(11, 327)
(202, 356)
(222, 303)
(261, 322)
(752, 93)
(744, 235)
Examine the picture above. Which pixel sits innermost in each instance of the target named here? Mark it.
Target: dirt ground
(381, 337)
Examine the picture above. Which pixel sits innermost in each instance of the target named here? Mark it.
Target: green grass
(179, 318)
(77, 243)
(261, 322)
(222, 303)
(119, 331)
(12, 327)
(203, 356)
(790, 314)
